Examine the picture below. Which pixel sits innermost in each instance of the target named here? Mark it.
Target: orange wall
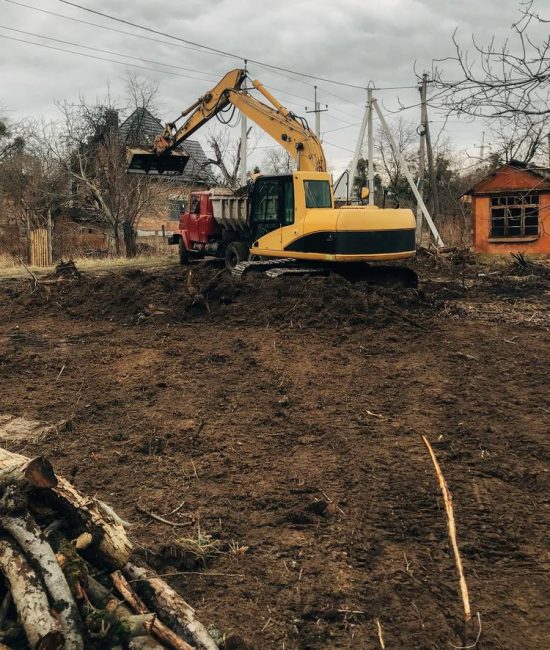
(481, 218)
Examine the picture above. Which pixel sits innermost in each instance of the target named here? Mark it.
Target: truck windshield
(317, 194)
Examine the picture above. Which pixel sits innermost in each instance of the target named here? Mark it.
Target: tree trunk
(16, 520)
(110, 542)
(18, 470)
(130, 236)
(116, 238)
(30, 600)
(170, 606)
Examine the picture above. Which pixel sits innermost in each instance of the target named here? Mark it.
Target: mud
(286, 417)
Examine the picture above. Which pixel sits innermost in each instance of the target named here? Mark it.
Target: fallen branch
(170, 606)
(30, 599)
(380, 635)
(447, 498)
(162, 519)
(157, 628)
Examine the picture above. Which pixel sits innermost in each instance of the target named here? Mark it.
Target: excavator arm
(288, 130)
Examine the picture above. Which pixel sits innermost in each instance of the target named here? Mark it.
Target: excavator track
(382, 275)
(243, 268)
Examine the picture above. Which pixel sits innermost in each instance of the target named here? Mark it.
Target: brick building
(511, 210)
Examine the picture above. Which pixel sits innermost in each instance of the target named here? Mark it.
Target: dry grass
(12, 268)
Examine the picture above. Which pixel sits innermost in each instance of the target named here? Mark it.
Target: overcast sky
(353, 41)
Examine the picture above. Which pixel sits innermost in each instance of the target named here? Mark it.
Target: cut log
(157, 627)
(16, 469)
(30, 599)
(170, 606)
(16, 520)
(110, 542)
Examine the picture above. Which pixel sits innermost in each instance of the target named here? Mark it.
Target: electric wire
(96, 49)
(212, 49)
(99, 58)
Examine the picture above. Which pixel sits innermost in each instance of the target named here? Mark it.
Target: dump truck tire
(235, 253)
(183, 253)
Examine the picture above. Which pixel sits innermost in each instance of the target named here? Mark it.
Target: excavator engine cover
(142, 161)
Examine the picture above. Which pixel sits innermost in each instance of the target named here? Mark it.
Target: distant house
(511, 210)
(141, 128)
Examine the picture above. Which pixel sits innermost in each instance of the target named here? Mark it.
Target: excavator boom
(287, 129)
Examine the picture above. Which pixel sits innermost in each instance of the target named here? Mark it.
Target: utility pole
(370, 146)
(431, 167)
(317, 110)
(356, 155)
(243, 151)
(421, 159)
(407, 173)
(482, 149)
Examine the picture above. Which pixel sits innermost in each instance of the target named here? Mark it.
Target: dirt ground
(287, 416)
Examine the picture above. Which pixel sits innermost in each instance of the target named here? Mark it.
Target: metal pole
(244, 129)
(482, 150)
(356, 155)
(243, 151)
(421, 158)
(317, 115)
(407, 173)
(370, 136)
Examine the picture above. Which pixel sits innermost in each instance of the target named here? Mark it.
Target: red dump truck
(214, 223)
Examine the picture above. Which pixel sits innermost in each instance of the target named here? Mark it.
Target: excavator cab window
(272, 204)
(317, 194)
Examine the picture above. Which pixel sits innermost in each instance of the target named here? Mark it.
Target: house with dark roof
(141, 128)
(511, 210)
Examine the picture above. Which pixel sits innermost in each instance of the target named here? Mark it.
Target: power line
(109, 29)
(95, 49)
(99, 58)
(212, 49)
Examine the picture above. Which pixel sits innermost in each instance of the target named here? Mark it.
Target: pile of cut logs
(65, 576)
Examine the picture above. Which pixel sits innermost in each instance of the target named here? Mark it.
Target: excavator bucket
(143, 161)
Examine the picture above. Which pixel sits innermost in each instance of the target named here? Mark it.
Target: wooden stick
(448, 500)
(156, 627)
(380, 635)
(162, 519)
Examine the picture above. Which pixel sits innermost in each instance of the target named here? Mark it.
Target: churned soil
(281, 420)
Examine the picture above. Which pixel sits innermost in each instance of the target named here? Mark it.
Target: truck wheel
(184, 254)
(235, 252)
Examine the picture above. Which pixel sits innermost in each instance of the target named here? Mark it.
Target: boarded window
(515, 215)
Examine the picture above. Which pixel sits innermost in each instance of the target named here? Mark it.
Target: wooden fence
(40, 250)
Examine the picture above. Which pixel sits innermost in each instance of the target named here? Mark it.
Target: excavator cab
(143, 160)
(272, 204)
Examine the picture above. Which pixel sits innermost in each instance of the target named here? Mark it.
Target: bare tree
(520, 137)
(86, 144)
(227, 154)
(390, 167)
(278, 161)
(499, 80)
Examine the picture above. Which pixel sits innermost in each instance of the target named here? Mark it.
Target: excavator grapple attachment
(144, 161)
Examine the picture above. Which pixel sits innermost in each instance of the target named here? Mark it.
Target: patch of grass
(12, 268)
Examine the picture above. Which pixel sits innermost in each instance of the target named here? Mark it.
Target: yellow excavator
(291, 224)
